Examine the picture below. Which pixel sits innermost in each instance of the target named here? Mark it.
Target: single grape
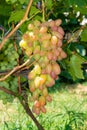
(35, 95)
(30, 27)
(37, 111)
(57, 34)
(37, 82)
(36, 49)
(42, 100)
(50, 81)
(58, 22)
(43, 78)
(37, 69)
(29, 51)
(43, 109)
(53, 75)
(25, 37)
(63, 54)
(60, 30)
(56, 68)
(43, 29)
(36, 57)
(37, 104)
(54, 28)
(23, 44)
(54, 40)
(59, 43)
(49, 98)
(49, 55)
(51, 23)
(31, 86)
(48, 68)
(45, 92)
(31, 75)
(45, 44)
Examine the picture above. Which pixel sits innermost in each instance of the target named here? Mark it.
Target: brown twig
(8, 91)
(15, 69)
(29, 112)
(18, 61)
(17, 72)
(75, 36)
(18, 25)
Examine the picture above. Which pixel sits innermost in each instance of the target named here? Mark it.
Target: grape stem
(18, 25)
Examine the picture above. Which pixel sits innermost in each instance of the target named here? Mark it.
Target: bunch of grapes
(43, 41)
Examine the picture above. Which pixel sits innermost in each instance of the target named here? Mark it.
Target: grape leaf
(22, 1)
(83, 9)
(77, 2)
(49, 4)
(4, 9)
(33, 10)
(16, 15)
(75, 67)
(84, 35)
(12, 1)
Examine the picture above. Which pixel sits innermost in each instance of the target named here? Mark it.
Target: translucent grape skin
(48, 68)
(56, 69)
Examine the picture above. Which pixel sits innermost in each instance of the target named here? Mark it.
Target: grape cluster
(43, 41)
(7, 63)
(8, 60)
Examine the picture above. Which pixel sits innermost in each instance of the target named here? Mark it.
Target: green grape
(48, 68)
(43, 29)
(58, 22)
(36, 57)
(36, 49)
(37, 69)
(31, 75)
(42, 100)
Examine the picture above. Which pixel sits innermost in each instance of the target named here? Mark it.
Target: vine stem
(74, 36)
(8, 91)
(29, 112)
(43, 11)
(17, 26)
(25, 106)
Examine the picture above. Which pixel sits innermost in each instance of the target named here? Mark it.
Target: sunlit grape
(43, 29)
(37, 104)
(58, 22)
(60, 30)
(43, 109)
(42, 100)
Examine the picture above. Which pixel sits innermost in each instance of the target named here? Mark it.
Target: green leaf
(84, 35)
(22, 1)
(4, 9)
(16, 16)
(75, 67)
(33, 10)
(82, 10)
(49, 4)
(77, 2)
(12, 1)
